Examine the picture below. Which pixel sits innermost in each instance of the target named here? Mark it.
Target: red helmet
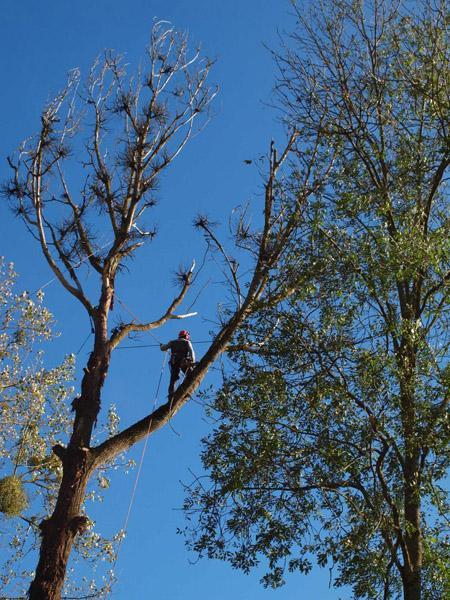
(184, 334)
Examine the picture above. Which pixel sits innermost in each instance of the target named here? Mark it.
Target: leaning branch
(163, 414)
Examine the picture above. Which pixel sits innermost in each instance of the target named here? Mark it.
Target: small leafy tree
(137, 126)
(35, 416)
(333, 431)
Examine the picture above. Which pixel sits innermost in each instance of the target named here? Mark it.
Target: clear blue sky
(40, 42)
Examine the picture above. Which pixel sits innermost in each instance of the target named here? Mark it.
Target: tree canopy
(331, 436)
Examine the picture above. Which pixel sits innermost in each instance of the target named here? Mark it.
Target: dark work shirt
(180, 349)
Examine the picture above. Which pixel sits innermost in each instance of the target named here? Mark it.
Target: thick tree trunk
(59, 531)
(412, 580)
(412, 577)
(413, 554)
(412, 585)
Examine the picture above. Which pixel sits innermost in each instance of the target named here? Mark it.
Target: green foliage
(35, 415)
(333, 429)
(33, 399)
(13, 499)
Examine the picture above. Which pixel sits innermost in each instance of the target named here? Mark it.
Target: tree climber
(182, 357)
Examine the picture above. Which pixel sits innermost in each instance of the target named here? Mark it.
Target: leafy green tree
(332, 434)
(35, 416)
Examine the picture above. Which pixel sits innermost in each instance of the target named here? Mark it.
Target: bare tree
(145, 122)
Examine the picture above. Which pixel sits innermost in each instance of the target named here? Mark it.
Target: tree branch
(125, 330)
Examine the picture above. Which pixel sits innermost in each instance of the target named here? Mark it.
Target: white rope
(136, 480)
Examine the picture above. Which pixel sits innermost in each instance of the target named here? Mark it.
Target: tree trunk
(59, 531)
(412, 580)
(413, 554)
(412, 585)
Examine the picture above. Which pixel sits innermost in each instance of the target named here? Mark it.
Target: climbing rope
(156, 345)
(136, 318)
(136, 480)
(199, 293)
(83, 344)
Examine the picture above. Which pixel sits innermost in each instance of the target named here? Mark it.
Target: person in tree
(182, 357)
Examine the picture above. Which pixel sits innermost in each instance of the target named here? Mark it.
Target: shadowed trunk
(59, 531)
(413, 555)
(411, 576)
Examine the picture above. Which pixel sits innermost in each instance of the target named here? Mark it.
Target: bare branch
(125, 330)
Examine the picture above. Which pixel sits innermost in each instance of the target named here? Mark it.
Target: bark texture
(59, 531)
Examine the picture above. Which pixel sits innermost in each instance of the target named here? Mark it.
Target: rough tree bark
(413, 537)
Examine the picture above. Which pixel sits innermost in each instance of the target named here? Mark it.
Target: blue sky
(40, 42)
